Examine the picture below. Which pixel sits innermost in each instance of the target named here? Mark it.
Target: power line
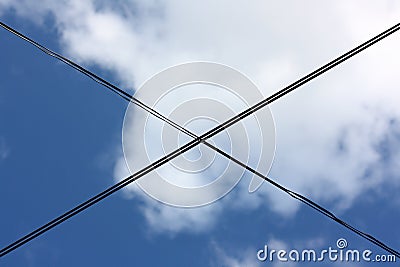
(128, 97)
(197, 140)
(301, 81)
(315, 206)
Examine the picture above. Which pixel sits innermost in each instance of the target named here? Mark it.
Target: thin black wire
(301, 81)
(98, 79)
(244, 114)
(315, 206)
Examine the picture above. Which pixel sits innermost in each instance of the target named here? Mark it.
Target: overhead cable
(197, 140)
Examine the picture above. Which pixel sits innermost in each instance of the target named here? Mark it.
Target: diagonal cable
(197, 140)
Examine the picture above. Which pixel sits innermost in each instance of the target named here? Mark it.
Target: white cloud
(274, 44)
(246, 258)
(163, 218)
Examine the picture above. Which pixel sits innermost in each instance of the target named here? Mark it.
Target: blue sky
(60, 136)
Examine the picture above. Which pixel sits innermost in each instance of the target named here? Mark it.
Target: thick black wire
(97, 79)
(244, 114)
(301, 81)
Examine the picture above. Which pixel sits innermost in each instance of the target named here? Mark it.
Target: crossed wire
(197, 140)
